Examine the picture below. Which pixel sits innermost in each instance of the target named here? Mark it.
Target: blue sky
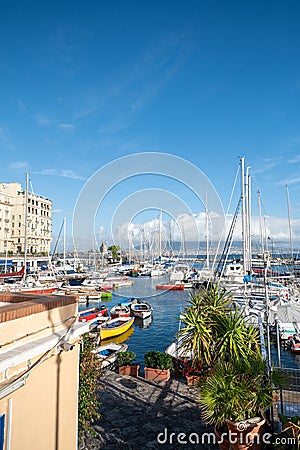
(83, 83)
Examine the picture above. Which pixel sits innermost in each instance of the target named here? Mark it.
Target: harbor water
(158, 332)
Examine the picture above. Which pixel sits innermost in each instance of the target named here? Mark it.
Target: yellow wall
(45, 323)
(44, 411)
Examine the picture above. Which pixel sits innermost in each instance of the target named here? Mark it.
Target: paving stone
(134, 412)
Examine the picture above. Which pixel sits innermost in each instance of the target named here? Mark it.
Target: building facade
(6, 203)
(39, 371)
(19, 220)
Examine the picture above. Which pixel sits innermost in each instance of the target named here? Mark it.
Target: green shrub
(158, 360)
(126, 358)
(88, 402)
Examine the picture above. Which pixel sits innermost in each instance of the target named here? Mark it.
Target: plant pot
(157, 374)
(222, 440)
(192, 380)
(130, 370)
(244, 434)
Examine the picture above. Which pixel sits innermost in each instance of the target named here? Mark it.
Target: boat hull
(108, 353)
(170, 287)
(108, 329)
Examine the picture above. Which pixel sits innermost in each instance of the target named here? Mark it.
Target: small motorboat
(182, 360)
(126, 301)
(115, 327)
(108, 353)
(119, 311)
(141, 309)
(92, 313)
(295, 344)
(106, 294)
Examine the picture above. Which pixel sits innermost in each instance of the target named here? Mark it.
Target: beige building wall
(5, 218)
(42, 414)
(44, 411)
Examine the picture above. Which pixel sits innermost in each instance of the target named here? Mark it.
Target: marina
(157, 332)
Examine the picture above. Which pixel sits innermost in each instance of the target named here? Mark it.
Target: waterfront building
(39, 371)
(36, 215)
(5, 217)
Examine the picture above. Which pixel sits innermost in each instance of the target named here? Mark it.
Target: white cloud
(295, 159)
(57, 211)
(43, 121)
(193, 229)
(5, 141)
(65, 126)
(292, 180)
(66, 173)
(18, 165)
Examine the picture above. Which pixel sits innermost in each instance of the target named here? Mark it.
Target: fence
(287, 401)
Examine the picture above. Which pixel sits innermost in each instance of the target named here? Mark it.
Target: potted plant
(234, 399)
(157, 366)
(290, 433)
(196, 374)
(127, 365)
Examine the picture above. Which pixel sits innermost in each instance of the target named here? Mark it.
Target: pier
(140, 414)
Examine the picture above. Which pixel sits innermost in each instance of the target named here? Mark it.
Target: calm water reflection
(157, 333)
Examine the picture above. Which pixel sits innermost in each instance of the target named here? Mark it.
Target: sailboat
(29, 284)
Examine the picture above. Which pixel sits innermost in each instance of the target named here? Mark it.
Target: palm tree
(212, 331)
(195, 338)
(234, 338)
(238, 390)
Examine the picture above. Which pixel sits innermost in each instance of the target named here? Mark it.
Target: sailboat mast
(242, 160)
(65, 233)
(159, 234)
(260, 224)
(26, 226)
(290, 223)
(206, 225)
(248, 221)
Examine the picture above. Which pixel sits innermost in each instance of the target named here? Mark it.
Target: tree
(212, 331)
(114, 249)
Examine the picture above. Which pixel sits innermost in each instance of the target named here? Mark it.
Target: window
(2, 426)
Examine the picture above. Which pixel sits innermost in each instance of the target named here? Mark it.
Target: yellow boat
(115, 327)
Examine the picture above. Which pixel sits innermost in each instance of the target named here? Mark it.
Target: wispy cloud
(267, 165)
(18, 165)
(291, 180)
(137, 85)
(57, 211)
(5, 140)
(294, 160)
(66, 173)
(42, 120)
(65, 126)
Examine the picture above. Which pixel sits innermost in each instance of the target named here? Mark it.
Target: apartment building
(6, 203)
(37, 216)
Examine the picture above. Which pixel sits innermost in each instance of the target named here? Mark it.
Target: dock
(140, 414)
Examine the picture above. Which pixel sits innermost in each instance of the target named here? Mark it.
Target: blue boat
(127, 301)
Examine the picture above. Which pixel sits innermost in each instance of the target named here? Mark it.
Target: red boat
(92, 313)
(170, 287)
(13, 274)
(38, 290)
(295, 347)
